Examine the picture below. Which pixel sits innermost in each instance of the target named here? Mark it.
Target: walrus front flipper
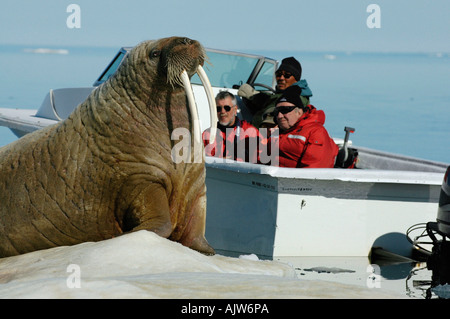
(193, 235)
(149, 211)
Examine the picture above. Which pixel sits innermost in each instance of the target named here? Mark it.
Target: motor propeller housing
(439, 260)
(443, 216)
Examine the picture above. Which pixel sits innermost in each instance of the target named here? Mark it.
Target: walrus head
(172, 61)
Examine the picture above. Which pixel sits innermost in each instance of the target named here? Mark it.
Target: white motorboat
(285, 212)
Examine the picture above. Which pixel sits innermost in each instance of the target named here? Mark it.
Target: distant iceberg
(47, 51)
(330, 57)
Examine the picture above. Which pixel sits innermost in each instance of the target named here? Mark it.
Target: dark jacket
(262, 101)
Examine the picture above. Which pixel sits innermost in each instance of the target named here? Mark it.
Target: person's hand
(247, 91)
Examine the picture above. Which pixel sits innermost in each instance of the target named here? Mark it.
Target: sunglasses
(286, 75)
(226, 107)
(283, 110)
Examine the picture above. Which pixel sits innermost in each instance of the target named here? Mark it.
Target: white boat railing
(348, 175)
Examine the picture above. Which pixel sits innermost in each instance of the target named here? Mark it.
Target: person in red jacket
(303, 141)
(235, 139)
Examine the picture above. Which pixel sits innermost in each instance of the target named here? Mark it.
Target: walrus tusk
(211, 101)
(193, 106)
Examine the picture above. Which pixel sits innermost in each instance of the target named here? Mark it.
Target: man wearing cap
(302, 141)
(288, 74)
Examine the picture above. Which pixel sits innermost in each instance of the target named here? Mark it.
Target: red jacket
(239, 142)
(307, 144)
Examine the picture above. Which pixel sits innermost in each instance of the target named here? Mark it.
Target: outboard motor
(443, 217)
(439, 260)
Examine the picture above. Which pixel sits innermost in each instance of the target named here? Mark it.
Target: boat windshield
(112, 67)
(231, 70)
(224, 69)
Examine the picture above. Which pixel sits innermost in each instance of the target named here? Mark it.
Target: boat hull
(281, 212)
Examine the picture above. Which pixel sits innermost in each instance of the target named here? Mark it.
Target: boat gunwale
(329, 174)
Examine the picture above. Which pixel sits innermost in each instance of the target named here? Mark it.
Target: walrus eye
(155, 53)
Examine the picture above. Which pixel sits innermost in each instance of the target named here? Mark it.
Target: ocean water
(27, 77)
(396, 102)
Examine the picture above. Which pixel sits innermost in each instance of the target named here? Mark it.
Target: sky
(297, 25)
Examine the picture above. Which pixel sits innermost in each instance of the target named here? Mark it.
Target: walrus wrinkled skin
(107, 169)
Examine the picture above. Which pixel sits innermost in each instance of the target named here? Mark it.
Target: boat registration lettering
(296, 189)
(263, 185)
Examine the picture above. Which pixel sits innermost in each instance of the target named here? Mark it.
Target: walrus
(107, 169)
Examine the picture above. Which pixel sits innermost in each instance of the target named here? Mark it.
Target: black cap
(293, 66)
(292, 95)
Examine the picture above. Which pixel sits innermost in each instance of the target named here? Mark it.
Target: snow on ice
(144, 265)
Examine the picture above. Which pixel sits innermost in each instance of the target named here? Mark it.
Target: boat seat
(243, 112)
(59, 103)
